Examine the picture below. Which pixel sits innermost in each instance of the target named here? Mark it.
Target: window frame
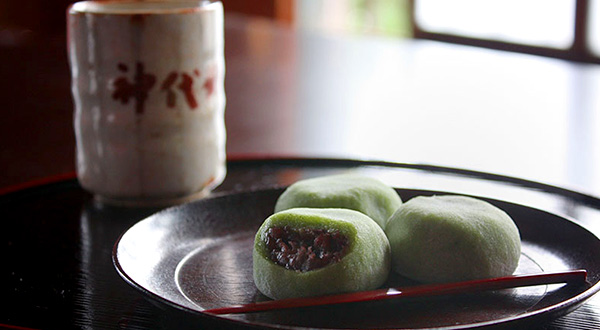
(578, 52)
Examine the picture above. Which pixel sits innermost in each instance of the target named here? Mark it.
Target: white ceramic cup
(148, 91)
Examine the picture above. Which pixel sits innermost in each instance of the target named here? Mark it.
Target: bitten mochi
(351, 191)
(452, 238)
(362, 264)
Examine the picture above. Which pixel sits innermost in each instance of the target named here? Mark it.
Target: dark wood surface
(299, 93)
(309, 93)
(58, 273)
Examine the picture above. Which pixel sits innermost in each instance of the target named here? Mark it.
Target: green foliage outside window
(383, 17)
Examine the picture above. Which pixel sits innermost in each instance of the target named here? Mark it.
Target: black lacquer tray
(198, 255)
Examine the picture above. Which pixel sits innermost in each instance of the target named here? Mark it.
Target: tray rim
(68, 180)
(581, 196)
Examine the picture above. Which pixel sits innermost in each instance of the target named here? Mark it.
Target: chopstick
(513, 281)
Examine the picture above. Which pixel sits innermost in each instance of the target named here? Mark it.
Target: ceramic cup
(148, 91)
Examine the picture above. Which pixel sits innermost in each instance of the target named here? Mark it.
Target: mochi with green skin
(351, 191)
(452, 238)
(364, 265)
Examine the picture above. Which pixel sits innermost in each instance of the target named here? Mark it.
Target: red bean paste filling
(305, 249)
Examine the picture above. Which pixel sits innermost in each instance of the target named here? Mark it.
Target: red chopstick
(572, 276)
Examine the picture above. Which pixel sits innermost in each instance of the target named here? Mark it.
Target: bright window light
(547, 23)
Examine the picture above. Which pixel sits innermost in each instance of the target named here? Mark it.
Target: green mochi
(452, 238)
(366, 265)
(350, 191)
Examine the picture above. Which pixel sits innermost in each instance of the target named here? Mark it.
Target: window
(568, 29)
(558, 28)
(531, 22)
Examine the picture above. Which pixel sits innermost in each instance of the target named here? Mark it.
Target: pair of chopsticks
(572, 276)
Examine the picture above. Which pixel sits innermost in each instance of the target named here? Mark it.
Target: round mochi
(452, 238)
(365, 265)
(350, 191)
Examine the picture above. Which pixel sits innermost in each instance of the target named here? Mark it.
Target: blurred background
(36, 124)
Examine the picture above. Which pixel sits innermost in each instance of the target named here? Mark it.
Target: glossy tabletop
(291, 93)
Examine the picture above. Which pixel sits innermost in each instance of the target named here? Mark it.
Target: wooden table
(303, 93)
(308, 94)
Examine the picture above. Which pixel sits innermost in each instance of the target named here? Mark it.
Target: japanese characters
(148, 89)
